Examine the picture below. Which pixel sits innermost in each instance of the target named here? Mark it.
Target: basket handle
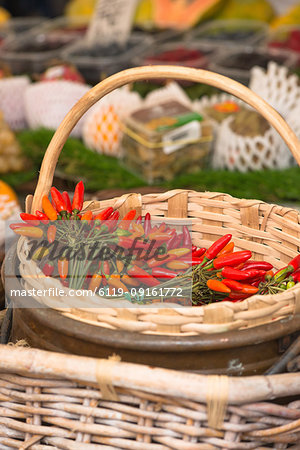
(142, 73)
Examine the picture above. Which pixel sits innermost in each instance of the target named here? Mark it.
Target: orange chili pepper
(120, 265)
(177, 265)
(130, 281)
(115, 282)
(226, 250)
(63, 266)
(51, 233)
(218, 286)
(126, 221)
(95, 282)
(249, 289)
(88, 215)
(48, 208)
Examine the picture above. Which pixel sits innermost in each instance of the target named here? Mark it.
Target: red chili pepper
(232, 260)
(174, 242)
(218, 286)
(199, 252)
(138, 272)
(42, 217)
(191, 260)
(259, 265)
(88, 215)
(194, 248)
(296, 276)
(105, 214)
(63, 265)
(112, 222)
(187, 240)
(48, 269)
(237, 296)
(295, 262)
(106, 268)
(51, 233)
(233, 285)
(30, 218)
(239, 275)
(127, 242)
(162, 227)
(14, 226)
(127, 219)
(226, 250)
(217, 246)
(249, 289)
(67, 202)
(139, 220)
(59, 202)
(161, 272)
(48, 208)
(147, 224)
(77, 203)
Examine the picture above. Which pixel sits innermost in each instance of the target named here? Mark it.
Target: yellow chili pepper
(179, 251)
(40, 253)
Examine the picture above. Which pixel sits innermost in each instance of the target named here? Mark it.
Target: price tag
(111, 22)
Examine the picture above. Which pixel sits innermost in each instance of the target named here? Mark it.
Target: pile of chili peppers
(218, 273)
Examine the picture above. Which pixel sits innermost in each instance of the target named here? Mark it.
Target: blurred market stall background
(163, 134)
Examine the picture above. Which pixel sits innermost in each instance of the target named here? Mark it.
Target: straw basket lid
(269, 231)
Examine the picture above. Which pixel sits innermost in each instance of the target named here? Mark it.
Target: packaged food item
(165, 140)
(221, 110)
(249, 123)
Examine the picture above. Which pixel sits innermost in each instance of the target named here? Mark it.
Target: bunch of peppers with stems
(218, 273)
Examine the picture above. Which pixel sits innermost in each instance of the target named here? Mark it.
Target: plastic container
(33, 51)
(231, 32)
(237, 63)
(17, 25)
(179, 53)
(164, 140)
(96, 62)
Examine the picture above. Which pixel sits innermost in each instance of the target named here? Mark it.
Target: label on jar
(180, 137)
(111, 22)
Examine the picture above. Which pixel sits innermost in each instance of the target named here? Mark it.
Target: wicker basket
(57, 401)
(271, 232)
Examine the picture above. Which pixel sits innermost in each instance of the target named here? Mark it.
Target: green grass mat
(103, 172)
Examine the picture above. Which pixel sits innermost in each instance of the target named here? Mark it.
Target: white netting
(241, 153)
(237, 152)
(47, 103)
(101, 130)
(12, 101)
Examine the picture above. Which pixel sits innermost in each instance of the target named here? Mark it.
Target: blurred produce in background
(48, 60)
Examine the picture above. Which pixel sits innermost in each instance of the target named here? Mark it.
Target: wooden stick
(154, 380)
(143, 73)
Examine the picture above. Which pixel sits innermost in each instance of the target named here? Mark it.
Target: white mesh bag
(12, 101)
(48, 102)
(234, 152)
(102, 131)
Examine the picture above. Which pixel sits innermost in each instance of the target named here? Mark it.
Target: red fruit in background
(62, 72)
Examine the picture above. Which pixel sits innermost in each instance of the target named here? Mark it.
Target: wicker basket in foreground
(271, 232)
(55, 401)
